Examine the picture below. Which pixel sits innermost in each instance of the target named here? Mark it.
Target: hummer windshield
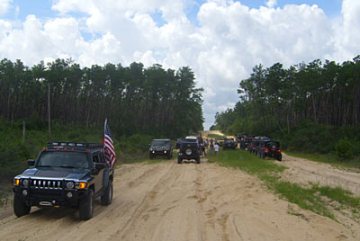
(63, 159)
(160, 143)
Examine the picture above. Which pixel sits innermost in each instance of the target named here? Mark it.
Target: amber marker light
(17, 182)
(82, 185)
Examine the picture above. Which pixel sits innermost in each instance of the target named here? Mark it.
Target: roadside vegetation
(136, 99)
(310, 108)
(319, 199)
(330, 158)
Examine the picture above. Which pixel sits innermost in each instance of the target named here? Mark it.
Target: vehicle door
(99, 176)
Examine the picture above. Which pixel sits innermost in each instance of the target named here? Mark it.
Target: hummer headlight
(25, 182)
(70, 185)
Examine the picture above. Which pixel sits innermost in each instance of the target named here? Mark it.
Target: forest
(153, 100)
(310, 106)
(140, 103)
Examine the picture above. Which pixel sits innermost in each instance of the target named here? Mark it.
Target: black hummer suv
(65, 175)
(189, 149)
(161, 147)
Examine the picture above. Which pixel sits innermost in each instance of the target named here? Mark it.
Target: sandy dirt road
(188, 202)
(304, 171)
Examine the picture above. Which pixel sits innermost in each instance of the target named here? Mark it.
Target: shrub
(344, 149)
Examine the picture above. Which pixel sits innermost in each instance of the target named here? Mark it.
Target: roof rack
(73, 145)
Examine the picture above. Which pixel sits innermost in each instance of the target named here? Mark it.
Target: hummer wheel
(20, 208)
(86, 208)
(106, 198)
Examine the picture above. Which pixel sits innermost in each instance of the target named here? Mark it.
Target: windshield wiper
(44, 166)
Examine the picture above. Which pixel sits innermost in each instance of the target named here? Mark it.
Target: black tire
(198, 160)
(279, 158)
(107, 196)
(86, 207)
(179, 161)
(20, 208)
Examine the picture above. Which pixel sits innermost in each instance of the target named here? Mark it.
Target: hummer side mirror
(31, 162)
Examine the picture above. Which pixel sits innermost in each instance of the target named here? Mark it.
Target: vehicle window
(160, 143)
(63, 159)
(101, 157)
(96, 158)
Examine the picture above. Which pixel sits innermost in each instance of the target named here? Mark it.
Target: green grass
(339, 195)
(246, 162)
(327, 158)
(314, 198)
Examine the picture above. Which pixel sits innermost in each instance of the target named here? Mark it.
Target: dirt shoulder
(167, 201)
(303, 171)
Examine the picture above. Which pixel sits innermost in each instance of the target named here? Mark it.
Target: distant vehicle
(65, 174)
(256, 144)
(191, 139)
(271, 149)
(161, 147)
(220, 141)
(229, 144)
(189, 150)
(244, 141)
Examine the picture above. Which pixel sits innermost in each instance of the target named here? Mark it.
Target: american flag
(110, 155)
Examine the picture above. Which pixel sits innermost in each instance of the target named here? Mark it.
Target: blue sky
(42, 8)
(330, 7)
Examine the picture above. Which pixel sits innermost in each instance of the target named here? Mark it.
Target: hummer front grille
(46, 184)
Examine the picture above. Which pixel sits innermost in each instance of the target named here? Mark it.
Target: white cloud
(346, 35)
(271, 3)
(228, 39)
(106, 49)
(28, 44)
(4, 6)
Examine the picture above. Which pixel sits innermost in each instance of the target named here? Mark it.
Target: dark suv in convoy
(257, 143)
(244, 141)
(65, 175)
(270, 149)
(161, 147)
(229, 144)
(189, 150)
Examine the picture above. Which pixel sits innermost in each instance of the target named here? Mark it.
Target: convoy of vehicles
(68, 174)
(262, 146)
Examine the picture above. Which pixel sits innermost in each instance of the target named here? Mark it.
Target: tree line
(153, 100)
(279, 100)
